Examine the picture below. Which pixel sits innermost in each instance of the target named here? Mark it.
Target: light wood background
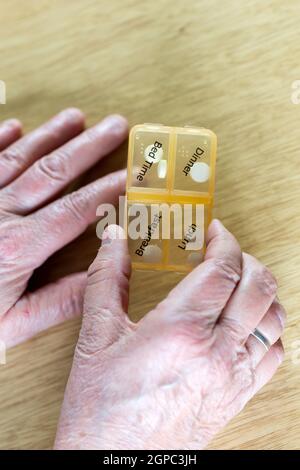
(226, 65)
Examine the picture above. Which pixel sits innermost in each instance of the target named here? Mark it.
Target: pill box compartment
(149, 152)
(168, 166)
(194, 161)
(144, 229)
(186, 246)
(167, 236)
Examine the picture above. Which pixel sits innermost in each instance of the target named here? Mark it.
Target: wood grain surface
(228, 66)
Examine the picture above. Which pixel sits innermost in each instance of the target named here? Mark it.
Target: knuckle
(100, 268)
(13, 157)
(235, 329)
(85, 347)
(49, 131)
(11, 245)
(107, 270)
(8, 202)
(71, 301)
(260, 275)
(226, 268)
(8, 248)
(54, 167)
(265, 280)
(92, 134)
(77, 204)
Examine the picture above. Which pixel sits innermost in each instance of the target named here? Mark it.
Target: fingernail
(218, 224)
(12, 123)
(116, 122)
(106, 240)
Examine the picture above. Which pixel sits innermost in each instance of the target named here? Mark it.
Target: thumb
(107, 293)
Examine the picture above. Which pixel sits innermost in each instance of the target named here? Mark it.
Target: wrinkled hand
(179, 375)
(34, 224)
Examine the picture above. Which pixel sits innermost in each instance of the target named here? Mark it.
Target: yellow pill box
(170, 188)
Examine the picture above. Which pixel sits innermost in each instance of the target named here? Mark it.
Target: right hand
(173, 380)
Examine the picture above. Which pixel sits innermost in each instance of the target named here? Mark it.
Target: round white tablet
(152, 254)
(197, 239)
(162, 169)
(152, 156)
(200, 172)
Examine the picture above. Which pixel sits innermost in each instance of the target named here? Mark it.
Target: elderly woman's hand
(179, 375)
(34, 223)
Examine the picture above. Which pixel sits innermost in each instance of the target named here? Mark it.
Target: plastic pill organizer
(170, 188)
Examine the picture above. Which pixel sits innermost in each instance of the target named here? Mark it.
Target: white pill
(151, 156)
(196, 240)
(162, 169)
(200, 172)
(152, 254)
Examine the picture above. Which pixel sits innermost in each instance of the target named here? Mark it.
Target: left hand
(175, 378)
(34, 223)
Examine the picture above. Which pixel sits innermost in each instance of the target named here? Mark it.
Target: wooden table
(226, 65)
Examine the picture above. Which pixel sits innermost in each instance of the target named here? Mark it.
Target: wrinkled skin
(33, 170)
(179, 375)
